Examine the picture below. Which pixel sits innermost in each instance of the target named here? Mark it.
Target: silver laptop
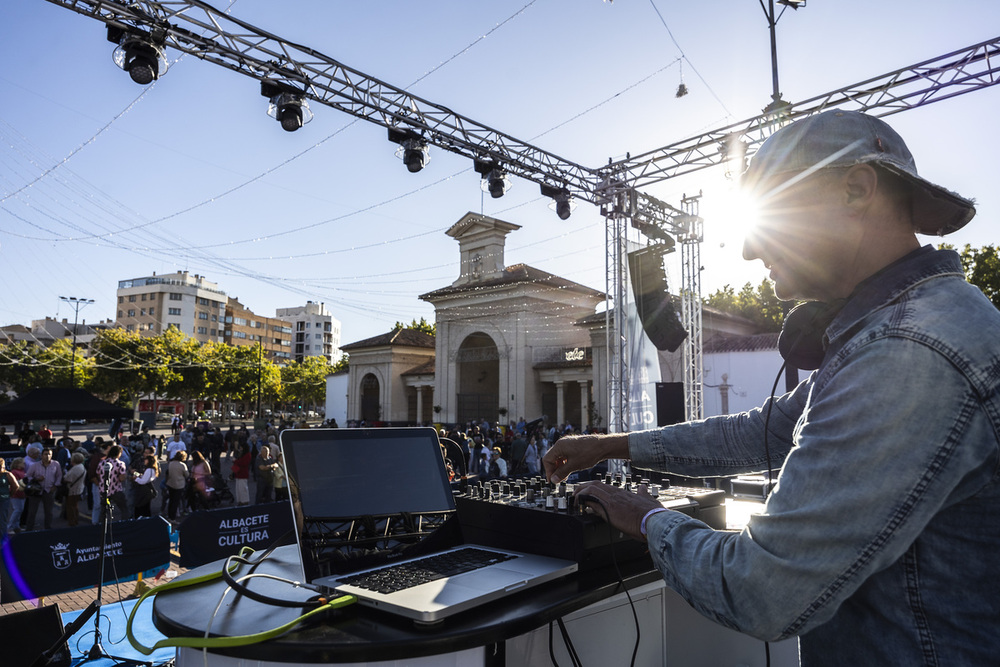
(370, 505)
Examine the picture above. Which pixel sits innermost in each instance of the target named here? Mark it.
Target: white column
(560, 410)
(584, 403)
(420, 404)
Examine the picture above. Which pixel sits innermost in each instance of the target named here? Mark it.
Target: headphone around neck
(802, 341)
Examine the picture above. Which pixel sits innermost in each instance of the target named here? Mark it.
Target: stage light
(494, 178)
(497, 183)
(412, 149)
(287, 106)
(682, 90)
(562, 202)
(142, 56)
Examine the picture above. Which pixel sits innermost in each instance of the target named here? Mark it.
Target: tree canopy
(124, 366)
(982, 269)
(757, 304)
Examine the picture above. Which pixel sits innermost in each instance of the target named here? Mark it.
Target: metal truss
(196, 28)
(956, 73)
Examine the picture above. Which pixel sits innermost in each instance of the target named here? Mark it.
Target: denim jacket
(880, 544)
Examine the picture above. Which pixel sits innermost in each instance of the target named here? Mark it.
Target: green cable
(220, 642)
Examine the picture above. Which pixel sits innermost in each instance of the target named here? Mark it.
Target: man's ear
(860, 184)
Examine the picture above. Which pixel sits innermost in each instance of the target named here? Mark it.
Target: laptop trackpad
(495, 578)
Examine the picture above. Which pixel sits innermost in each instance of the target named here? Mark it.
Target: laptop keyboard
(401, 576)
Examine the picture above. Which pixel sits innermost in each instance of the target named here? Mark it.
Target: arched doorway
(478, 369)
(371, 409)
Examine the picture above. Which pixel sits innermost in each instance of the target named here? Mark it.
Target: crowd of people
(491, 451)
(137, 473)
(134, 473)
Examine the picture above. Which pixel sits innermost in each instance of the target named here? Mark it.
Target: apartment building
(316, 331)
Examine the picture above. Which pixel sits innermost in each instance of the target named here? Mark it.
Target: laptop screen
(362, 472)
(363, 495)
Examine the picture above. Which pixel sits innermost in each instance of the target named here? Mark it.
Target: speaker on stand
(652, 301)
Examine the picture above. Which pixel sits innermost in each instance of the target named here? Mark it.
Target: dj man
(880, 544)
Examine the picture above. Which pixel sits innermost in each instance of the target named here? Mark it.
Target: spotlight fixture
(287, 106)
(412, 149)
(562, 202)
(495, 179)
(142, 56)
(682, 90)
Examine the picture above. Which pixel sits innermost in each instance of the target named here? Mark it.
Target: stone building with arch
(512, 341)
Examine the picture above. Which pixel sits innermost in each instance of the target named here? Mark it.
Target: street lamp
(77, 304)
(777, 104)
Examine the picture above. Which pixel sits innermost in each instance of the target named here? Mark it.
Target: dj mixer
(538, 517)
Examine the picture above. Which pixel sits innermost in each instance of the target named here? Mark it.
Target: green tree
(124, 366)
(304, 383)
(341, 364)
(982, 269)
(19, 369)
(757, 304)
(422, 325)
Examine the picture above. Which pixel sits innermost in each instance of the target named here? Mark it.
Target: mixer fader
(538, 517)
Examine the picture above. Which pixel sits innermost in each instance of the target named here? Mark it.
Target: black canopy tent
(60, 403)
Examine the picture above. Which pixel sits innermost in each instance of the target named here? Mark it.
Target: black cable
(767, 422)
(573, 657)
(621, 579)
(241, 589)
(552, 653)
(767, 483)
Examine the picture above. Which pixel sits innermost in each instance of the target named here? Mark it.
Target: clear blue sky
(192, 174)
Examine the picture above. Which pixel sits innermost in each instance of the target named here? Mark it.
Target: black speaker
(669, 403)
(30, 633)
(652, 301)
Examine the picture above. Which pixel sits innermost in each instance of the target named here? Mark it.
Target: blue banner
(47, 562)
(211, 535)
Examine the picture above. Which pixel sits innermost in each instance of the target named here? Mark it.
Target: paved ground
(112, 593)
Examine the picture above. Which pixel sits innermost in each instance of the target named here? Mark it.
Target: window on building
(129, 327)
(173, 311)
(152, 310)
(121, 314)
(174, 296)
(131, 313)
(121, 299)
(131, 298)
(143, 297)
(202, 315)
(203, 330)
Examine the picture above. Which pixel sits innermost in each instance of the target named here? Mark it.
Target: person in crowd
(887, 498)
(531, 456)
(17, 496)
(265, 465)
(111, 480)
(241, 474)
(8, 486)
(64, 449)
(177, 481)
(498, 465)
(5, 441)
(201, 481)
(45, 435)
(25, 436)
(49, 475)
(144, 484)
(94, 477)
(175, 445)
(75, 480)
(278, 477)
